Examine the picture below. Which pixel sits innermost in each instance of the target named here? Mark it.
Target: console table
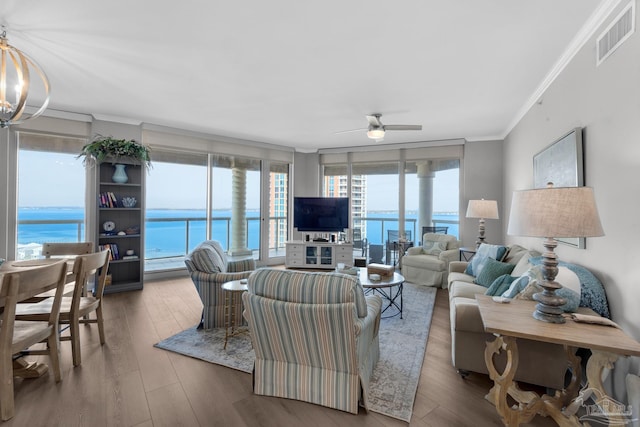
(514, 320)
(303, 254)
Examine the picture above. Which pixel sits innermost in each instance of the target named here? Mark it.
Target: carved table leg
(504, 385)
(528, 403)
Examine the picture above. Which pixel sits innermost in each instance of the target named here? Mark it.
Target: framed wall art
(561, 164)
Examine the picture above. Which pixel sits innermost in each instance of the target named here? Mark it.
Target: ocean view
(166, 229)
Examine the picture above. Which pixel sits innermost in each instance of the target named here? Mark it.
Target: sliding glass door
(176, 208)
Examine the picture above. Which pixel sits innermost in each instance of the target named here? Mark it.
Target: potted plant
(103, 148)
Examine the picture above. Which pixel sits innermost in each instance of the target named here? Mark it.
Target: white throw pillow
(431, 247)
(568, 279)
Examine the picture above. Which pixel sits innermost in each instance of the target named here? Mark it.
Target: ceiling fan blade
(351, 130)
(403, 127)
(374, 120)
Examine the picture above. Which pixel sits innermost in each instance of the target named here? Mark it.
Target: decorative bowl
(129, 202)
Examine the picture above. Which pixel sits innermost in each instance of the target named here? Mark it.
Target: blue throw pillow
(491, 270)
(485, 251)
(500, 285)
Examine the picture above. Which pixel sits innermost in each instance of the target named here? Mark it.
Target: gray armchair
(209, 268)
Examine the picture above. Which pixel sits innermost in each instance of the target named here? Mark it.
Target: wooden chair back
(65, 249)
(19, 286)
(84, 268)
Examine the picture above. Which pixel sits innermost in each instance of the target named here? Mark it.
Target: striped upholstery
(209, 268)
(309, 343)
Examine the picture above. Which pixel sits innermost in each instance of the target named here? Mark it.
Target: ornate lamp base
(480, 233)
(549, 304)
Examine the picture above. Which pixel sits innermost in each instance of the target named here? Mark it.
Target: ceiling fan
(376, 129)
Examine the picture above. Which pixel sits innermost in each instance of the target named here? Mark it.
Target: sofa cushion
(514, 254)
(523, 264)
(485, 251)
(500, 285)
(459, 277)
(491, 270)
(466, 290)
(432, 247)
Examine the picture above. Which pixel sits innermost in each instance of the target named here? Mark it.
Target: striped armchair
(209, 268)
(315, 336)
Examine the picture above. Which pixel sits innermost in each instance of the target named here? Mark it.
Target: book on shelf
(113, 250)
(108, 199)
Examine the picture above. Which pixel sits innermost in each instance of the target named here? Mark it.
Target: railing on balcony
(377, 227)
(173, 237)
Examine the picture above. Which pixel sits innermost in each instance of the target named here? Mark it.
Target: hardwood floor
(128, 382)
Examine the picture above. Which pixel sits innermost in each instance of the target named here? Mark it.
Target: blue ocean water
(167, 237)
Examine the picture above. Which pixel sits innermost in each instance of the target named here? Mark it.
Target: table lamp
(553, 212)
(483, 209)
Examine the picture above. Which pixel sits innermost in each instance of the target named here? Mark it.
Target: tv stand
(318, 255)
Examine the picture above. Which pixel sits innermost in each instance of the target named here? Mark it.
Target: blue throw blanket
(592, 293)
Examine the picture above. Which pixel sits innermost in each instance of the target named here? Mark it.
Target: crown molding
(602, 12)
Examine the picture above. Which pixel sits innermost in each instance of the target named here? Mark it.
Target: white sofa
(430, 269)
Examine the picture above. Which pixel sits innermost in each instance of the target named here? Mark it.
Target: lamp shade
(487, 209)
(555, 212)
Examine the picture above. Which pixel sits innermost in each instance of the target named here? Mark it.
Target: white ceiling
(292, 72)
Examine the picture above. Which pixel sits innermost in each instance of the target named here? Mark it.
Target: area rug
(395, 379)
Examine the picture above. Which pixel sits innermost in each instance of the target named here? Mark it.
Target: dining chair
(65, 249)
(68, 251)
(75, 310)
(17, 336)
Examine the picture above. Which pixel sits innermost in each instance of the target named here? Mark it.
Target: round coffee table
(385, 288)
(232, 293)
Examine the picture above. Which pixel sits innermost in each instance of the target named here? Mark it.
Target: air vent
(616, 33)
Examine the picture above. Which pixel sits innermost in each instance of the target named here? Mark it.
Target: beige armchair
(428, 264)
(209, 268)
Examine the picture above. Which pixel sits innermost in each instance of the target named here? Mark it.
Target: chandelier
(17, 86)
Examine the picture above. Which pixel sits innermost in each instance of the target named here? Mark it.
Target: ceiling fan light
(375, 133)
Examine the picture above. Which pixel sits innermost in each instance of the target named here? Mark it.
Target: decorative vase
(120, 175)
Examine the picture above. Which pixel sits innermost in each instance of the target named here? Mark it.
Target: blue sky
(166, 186)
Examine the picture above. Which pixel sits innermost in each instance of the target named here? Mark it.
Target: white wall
(482, 179)
(605, 100)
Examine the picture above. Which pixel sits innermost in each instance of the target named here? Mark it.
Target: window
(432, 195)
(377, 187)
(51, 192)
(176, 208)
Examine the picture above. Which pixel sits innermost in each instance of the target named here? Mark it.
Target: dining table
(21, 367)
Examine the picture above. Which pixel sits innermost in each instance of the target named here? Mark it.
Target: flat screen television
(321, 213)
